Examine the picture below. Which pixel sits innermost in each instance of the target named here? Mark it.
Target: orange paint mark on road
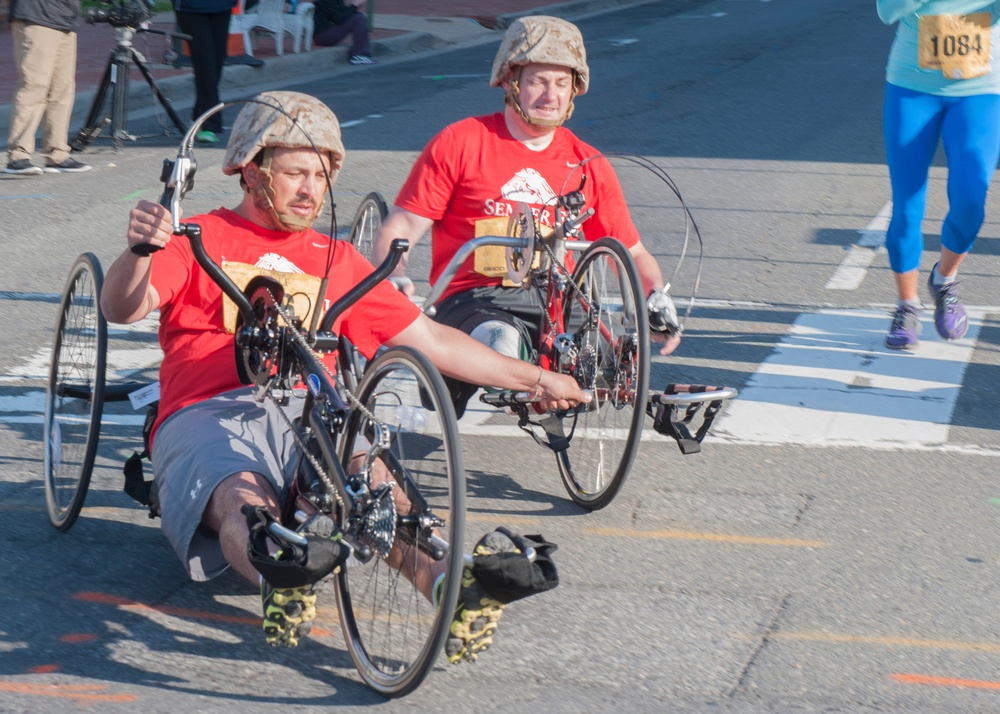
(117, 601)
(714, 537)
(43, 669)
(81, 693)
(79, 637)
(884, 641)
(945, 681)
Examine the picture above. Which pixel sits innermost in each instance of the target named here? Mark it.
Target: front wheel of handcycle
(74, 397)
(605, 312)
(415, 527)
(367, 220)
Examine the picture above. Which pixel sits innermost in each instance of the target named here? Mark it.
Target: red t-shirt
(475, 169)
(199, 356)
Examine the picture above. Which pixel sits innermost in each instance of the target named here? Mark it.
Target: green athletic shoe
(288, 613)
(477, 613)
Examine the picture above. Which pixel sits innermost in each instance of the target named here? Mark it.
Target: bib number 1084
(957, 45)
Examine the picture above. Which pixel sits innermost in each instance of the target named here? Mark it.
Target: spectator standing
(207, 23)
(335, 19)
(44, 40)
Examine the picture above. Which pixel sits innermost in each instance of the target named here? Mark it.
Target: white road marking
(854, 266)
(832, 382)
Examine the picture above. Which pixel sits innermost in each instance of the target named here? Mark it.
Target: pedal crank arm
(675, 410)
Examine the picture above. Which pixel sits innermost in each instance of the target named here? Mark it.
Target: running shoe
(477, 613)
(361, 59)
(206, 137)
(288, 613)
(24, 167)
(949, 314)
(67, 166)
(905, 328)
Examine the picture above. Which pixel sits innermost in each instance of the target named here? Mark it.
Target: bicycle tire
(604, 435)
(367, 219)
(75, 392)
(393, 632)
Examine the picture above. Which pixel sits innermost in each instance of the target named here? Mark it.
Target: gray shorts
(198, 447)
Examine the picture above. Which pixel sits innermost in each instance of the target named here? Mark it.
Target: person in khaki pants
(44, 39)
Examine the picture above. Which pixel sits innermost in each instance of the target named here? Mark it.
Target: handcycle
(595, 328)
(367, 444)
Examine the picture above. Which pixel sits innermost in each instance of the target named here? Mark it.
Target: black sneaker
(24, 167)
(361, 59)
(68, 166)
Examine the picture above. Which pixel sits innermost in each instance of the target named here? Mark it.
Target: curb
(318, 63)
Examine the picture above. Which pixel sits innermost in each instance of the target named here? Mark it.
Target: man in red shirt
(478, 169)
(216, 449)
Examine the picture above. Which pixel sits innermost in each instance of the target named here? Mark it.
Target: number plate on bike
(958, 45)
(491, 260)
(300, 288)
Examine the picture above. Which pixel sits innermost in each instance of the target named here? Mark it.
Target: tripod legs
(116, 80)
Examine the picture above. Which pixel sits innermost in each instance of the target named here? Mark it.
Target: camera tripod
(116, 80)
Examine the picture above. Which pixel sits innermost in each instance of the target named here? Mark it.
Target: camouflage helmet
(544, 40)
(260, 124)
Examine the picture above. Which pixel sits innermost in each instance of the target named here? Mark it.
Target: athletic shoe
(905, 328)
(361, 59)
(949, 314)
(24, 167)
(287, 587)
(288, 613)
(68, 166)
(477, 614)
(206, 137)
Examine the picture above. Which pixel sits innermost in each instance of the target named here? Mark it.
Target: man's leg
(35, 58)
(224, 515)
(62, 93)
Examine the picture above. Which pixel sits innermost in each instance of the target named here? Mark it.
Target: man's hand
(664, 327)
(559, 391)
(150, 223)
(403, 284)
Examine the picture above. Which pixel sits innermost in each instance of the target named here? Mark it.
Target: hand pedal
(678, 407)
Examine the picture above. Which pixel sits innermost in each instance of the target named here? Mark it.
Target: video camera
(126, 13)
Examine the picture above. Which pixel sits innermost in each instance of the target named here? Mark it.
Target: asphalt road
(834, 547)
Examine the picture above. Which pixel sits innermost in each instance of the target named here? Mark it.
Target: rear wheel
(367, 220)
(415, 530)
(605, 313)
(74, 398)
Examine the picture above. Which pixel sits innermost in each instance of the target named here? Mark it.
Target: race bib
(957, 45)
(300, 290)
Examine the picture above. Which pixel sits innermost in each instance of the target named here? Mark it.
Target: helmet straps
(514, 100)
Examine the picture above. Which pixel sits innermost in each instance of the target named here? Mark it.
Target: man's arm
(652, 281)
(400, 223)
(458, 355)
(128, 296)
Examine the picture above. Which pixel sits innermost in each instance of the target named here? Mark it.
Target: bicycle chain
(354, 401)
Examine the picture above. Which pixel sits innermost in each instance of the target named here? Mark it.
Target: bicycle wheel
(74, 398)
(606, 315)
(367, 219)
(393, 632)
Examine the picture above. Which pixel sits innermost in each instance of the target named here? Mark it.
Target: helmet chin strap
(286, 221)
(513, 98)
